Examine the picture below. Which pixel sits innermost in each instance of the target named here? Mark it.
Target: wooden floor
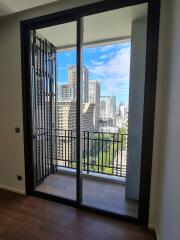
(96, 193)
(30, 218)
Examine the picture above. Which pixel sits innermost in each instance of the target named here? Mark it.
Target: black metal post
(79, 111)
(88, 152)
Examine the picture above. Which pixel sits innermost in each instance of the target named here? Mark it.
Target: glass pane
(113, 80)
(58, 112)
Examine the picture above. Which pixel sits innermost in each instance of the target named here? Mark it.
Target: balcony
(103, 153)
(104, 158)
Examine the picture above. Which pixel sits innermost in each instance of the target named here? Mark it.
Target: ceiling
(13, 6)
(110, 26)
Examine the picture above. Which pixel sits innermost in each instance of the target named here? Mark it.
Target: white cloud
(96, 63)
(104, 56)
(118, 66)
(113, 74)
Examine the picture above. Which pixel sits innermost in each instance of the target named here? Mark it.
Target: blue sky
(108, 64)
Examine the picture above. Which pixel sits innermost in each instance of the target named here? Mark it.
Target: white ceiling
(104, 27)
(12, 6)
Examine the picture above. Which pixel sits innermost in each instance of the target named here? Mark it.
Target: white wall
(136, 104)
(165, 194)
(11, 143)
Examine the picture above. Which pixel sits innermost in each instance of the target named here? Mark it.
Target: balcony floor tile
(96, 193)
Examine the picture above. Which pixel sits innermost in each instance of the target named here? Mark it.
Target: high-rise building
(72, 78)
(66, 115)
(108, 111)
(123, 110)
(87, 117)
(113, 106)
(66, 128)
(66, 112)
(66, 92)
(94, 98)
(122, 116)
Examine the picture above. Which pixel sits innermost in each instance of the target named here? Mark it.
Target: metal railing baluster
(100, 154)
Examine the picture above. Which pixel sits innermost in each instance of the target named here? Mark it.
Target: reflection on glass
(112, 137)
(61, 116)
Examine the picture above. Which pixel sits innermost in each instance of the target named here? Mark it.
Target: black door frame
(76, 14)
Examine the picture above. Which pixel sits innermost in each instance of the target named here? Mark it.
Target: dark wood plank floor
(30, 218)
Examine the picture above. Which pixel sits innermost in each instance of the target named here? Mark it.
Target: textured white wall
(11, 144)
(136, 104)
(165, 194)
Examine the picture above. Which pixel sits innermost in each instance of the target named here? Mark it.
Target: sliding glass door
(87, 79)
(114, 55)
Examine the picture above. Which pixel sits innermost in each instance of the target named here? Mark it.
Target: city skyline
(109, 65)
(104, 107)
(113, 115)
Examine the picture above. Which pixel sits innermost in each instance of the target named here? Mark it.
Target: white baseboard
(13, 189)
(157, 236)
(153, 227)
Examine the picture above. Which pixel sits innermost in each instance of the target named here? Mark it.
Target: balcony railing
(102, 153)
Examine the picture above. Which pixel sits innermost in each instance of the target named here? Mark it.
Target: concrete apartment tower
(94, 98)
(108, 111)
(72, 78)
